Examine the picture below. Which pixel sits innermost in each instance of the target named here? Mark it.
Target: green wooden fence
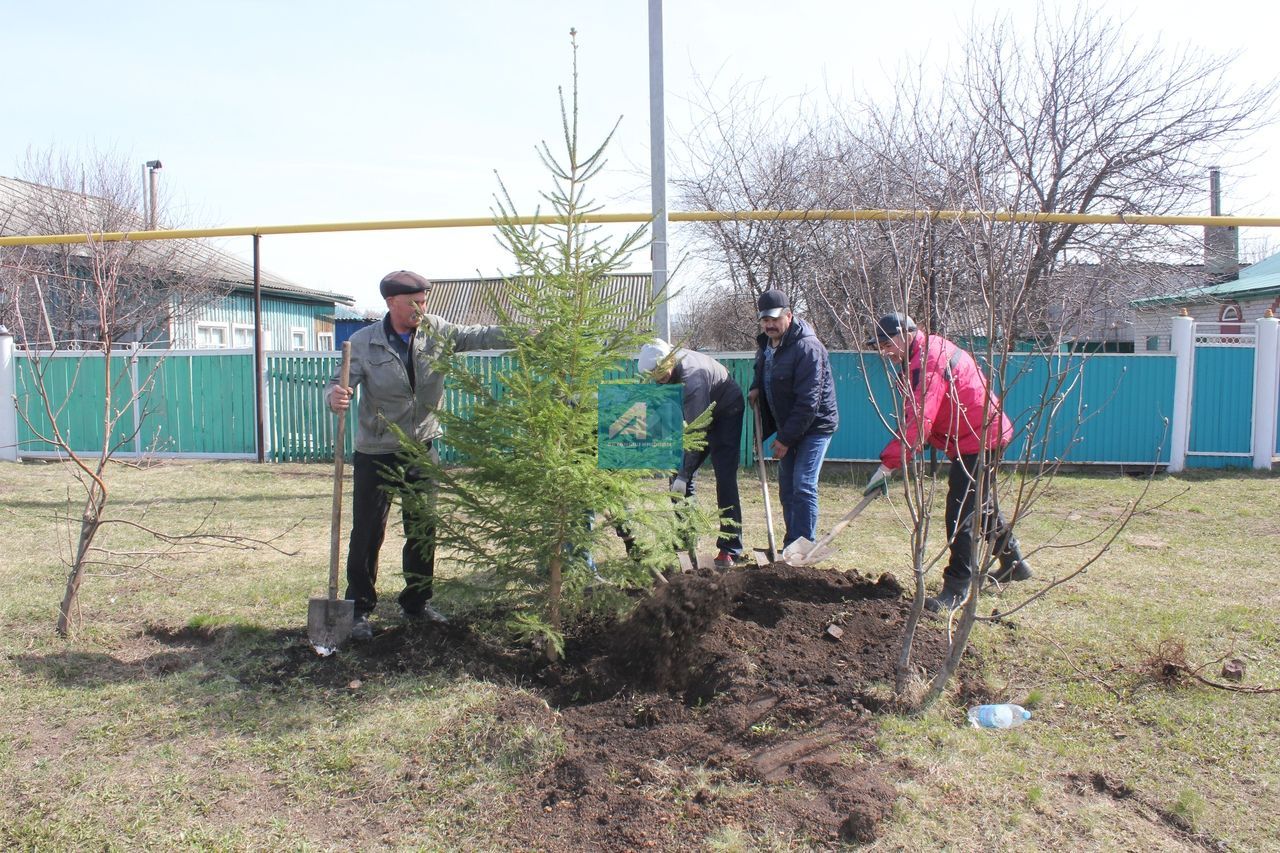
(187, 404)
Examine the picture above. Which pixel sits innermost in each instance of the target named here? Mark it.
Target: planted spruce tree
(524, 511)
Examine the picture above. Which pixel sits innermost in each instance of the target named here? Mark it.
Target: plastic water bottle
(998, 716)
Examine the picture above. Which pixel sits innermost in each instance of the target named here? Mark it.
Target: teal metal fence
(1111, 409)
(1221, 407)
(1105, 408)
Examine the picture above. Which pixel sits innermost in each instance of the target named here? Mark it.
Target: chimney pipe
(152, 167)
(1221, 242)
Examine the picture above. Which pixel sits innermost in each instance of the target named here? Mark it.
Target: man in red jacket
(946, 400)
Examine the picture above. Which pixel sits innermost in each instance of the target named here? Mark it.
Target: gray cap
(890, 326)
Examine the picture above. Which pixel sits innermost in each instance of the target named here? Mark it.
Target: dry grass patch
(184, 716)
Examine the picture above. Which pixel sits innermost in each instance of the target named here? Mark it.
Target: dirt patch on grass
(724, 702)
(728, 703)
(1103, 783)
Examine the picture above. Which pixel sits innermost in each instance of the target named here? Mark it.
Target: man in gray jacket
(706, 381)
(392, 362)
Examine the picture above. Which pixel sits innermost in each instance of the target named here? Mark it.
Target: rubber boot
(951, 597)
(1012, 566)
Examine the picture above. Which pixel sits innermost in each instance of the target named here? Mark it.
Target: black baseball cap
(771, 304)
(890, 326)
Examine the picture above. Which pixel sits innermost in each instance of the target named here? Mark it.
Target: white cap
(652, 353)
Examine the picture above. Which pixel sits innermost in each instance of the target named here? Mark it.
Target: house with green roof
(1230, 304)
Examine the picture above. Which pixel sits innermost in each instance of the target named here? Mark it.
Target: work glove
(678, 486)
(879, 482)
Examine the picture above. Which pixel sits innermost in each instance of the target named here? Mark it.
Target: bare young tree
(97, 301)
(749, 154)
(1073, 117)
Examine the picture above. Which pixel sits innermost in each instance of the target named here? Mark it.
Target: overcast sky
(297, 112)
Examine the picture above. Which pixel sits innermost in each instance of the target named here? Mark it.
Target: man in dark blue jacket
(796, 394)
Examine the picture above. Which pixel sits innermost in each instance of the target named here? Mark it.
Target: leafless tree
(98, 302)
(1073, 117)
(749, 154)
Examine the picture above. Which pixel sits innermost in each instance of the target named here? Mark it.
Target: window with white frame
(297, 338)
(324, 341)
(1230, 313)
(211, 335)
(242, 336)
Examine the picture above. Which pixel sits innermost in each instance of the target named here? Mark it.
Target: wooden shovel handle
(844, 522)
(764, 484)
(339, 450)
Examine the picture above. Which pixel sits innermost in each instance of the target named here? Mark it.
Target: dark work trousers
(370, 504)
(961, 496)
(724, 446)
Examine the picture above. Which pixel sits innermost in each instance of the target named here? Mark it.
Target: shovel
(772, 553)
(329, 618)
(802, 552)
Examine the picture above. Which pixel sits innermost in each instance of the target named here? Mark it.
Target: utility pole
(658, 159)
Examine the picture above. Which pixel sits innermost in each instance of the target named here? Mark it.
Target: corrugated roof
(1266, 266)
(24, 207)
(1260, 279)
(341, 313)
(466, 300)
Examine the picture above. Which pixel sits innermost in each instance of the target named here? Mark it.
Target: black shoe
(426, 613)
(946, 599)
(1012, 570)
(361, 630)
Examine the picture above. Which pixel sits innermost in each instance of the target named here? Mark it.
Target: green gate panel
(199, 404)
(302, 428)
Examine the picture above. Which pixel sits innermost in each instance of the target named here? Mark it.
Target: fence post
(135, 398)
(1183, 343)
(8, 406)
(1265, 380)
(262, 419)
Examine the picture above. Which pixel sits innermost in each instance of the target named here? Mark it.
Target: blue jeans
(798, 487)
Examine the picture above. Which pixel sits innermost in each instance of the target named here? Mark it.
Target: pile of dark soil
(745, 692)
(727, 701)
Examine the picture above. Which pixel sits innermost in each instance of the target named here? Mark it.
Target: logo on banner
(641, 426)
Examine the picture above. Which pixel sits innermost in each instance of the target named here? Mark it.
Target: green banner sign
(641, 426)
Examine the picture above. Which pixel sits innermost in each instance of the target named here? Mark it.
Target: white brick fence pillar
(1266, 381)
(8, 407)
(1183, 344)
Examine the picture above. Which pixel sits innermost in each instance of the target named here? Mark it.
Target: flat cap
(402, 281)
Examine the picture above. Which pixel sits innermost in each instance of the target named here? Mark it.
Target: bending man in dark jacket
(796, 394)
(705, 382)
(392, 361)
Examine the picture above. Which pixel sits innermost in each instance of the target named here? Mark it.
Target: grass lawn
(175, 719)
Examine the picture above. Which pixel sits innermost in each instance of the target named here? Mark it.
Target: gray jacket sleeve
(463, 338)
